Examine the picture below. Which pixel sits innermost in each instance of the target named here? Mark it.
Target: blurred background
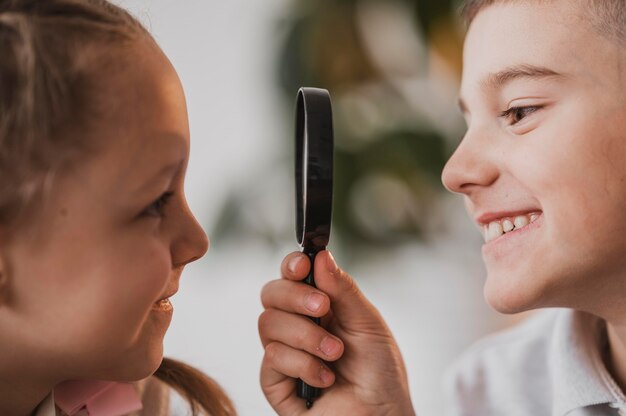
(393, 70)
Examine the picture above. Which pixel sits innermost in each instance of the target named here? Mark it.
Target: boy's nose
(471, 165)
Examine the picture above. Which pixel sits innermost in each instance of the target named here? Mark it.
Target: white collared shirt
(549, 365)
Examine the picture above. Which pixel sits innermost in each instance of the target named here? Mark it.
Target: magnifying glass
(314, 186)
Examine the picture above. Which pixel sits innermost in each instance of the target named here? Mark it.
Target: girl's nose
(472, 164)
(192, 242)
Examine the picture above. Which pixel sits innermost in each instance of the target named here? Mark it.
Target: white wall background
(224, 52)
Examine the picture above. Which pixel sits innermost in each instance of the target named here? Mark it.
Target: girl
(95, 230)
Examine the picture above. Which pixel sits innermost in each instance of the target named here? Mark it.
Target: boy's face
(544, 98)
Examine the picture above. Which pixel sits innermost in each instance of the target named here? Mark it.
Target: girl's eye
(516, 114)
(157, 207)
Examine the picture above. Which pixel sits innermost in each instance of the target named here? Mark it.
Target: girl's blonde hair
(54, 58)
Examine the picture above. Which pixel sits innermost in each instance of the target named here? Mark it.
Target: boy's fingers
(295, 266)
(300, 333)
(281, 360)
(348, 303)
(279, 389)
(294, 297)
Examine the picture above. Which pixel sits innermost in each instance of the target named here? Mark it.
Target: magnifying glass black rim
(314, 167)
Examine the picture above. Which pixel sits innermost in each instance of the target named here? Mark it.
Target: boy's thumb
(349, 305)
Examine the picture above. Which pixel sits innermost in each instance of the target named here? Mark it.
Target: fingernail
(331, 264)
(325, 375)
(330, 346)
(313, 301)
(293, 264)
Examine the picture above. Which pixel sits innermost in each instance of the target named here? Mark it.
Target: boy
(542, 169)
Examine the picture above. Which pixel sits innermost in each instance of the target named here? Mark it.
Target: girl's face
(87, 273)
(544, 157)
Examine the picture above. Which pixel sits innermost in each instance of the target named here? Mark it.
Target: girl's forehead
(146, 100)
(146, 125)
(149, 94)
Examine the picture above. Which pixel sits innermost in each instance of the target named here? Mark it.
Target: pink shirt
(151, 396)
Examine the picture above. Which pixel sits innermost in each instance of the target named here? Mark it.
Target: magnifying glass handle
(310, 279)
(304, 391)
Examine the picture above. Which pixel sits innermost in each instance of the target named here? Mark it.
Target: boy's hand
(365, 374)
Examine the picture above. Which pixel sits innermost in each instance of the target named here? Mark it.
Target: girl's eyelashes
(516, 114)
(157, 208)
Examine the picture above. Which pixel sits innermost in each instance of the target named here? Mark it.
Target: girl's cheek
(141, 279)
(138, 270)
(154, 270)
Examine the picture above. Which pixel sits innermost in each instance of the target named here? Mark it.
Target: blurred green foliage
(385, 62)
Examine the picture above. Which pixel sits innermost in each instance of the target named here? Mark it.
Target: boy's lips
(500, 241)
(489, 217)
(495, 225)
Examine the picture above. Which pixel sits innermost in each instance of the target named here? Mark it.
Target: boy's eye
(157, 207)
(516, 114)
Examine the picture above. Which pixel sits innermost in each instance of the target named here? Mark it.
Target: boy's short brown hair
(608, 16)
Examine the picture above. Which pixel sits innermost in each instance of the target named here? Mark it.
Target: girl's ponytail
(199, 389)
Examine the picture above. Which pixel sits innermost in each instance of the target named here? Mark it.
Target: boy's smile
(542, 166)
(495, 225)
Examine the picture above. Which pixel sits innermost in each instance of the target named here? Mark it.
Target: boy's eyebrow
(498, 79)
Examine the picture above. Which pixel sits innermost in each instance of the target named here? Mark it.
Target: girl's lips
(168, 295)
(163, 305)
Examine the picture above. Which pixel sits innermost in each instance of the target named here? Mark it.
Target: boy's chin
(511, 294)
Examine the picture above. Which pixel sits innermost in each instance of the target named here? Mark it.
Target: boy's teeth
(507, 226)
(521, 221)
(496, 228)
